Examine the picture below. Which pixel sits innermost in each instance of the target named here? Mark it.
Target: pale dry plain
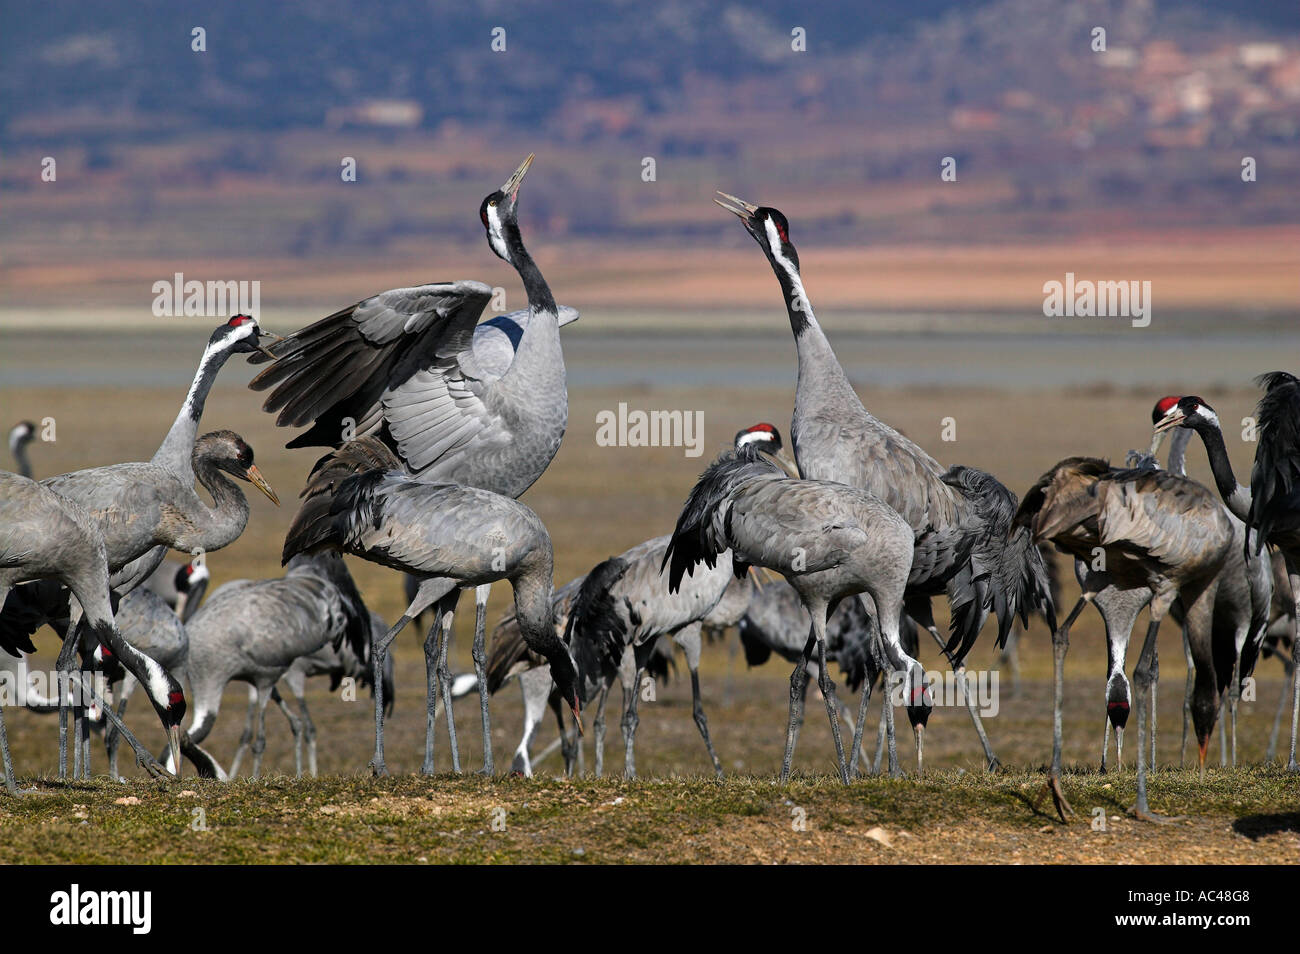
(1022, 401)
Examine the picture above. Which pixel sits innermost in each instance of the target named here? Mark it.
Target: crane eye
(492, 203)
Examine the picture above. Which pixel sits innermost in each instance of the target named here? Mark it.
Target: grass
(1241, 816)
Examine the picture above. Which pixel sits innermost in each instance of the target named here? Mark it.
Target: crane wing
(401, 360)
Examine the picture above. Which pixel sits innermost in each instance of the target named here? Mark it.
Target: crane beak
(1172, 419)
(511, 188)
(737, 207)
(174, 745)
(275, 340)
(577, 716)
(257, 480)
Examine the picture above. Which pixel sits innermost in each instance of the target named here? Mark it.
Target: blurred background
(225, 165)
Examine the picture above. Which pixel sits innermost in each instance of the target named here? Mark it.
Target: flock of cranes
(436, 422)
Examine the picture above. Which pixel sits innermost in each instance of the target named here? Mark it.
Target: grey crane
(621, 609)
(360, 500)
(483, 408)
(829, 540)
(1270, 506)
(147, 507)
(144, 508)
(46, 536)
(1157, 530)
(20, 435)
(338, 663)
(254, 630)
(1243, 601)
(618, 614)
(961, 518)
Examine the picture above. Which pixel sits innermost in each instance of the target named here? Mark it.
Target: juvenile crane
(1156, 530)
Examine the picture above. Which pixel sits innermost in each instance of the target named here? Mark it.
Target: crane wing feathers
(1276, 472)
(391, 353)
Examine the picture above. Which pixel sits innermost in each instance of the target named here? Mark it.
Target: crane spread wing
(401, 362)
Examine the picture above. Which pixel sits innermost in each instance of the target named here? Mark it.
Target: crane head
(499, 212)
(231, 453)
(1187, 412)
(770, 228)
(24, 432)
(766, 439)
(241, 335)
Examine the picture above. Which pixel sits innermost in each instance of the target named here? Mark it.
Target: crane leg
(295, 726)
(1277, 719)
(1294, 575)
(1143, 680)
(891, 739)
(631, 695)
(1188, 686)
(431, 649)
(991, 761)
(1155, 682)
(599, 729)
(113, 738)
(245, 737)
(480, 669)
(858, 728)
(309, 730)
(444, 677)
(827, 688)
(259, 740)
(689, 639)
(534, 687)
(377, 652)
(142, 755)
(1060, 646)
(798, 687)
(1105, 742)
(880, 735)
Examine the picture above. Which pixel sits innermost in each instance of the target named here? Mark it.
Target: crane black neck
(540, 298)
(1225, 480)
(797, 306)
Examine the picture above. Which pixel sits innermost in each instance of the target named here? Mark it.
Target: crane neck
(152, 676)
(222, 524)
(1234, 494)
(540, 299)
(19, 449)
(175, 450)
(820, 374)
(1177, 462)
